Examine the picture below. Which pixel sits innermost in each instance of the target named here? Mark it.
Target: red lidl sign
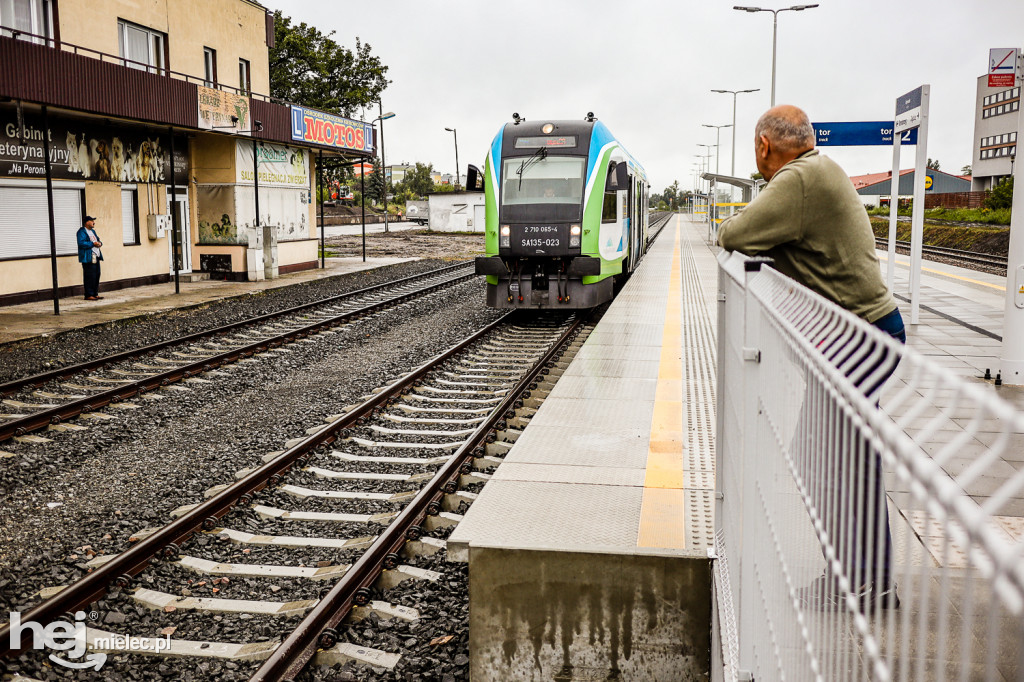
(320, 127)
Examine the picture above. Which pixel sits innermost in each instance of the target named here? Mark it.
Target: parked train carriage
(566, 209)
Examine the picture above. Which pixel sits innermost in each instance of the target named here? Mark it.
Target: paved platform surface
(27, 320)
(588, 550)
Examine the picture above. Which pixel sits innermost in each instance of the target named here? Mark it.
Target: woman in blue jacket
(90, 255)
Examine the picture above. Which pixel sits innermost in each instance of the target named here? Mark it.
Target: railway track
(969, 258)
(84, 388)
(372, 487)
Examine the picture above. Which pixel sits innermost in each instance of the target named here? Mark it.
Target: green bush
(1001, 196)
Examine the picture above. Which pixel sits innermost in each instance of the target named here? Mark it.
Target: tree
(418, 180)
(375, 181)
(1001, 196)
(967, 170)
(308, 67)
(933, 164)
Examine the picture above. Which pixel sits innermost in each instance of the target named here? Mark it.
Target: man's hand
(97, 242)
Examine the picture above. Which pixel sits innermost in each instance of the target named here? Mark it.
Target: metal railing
(156, 70)
(828, 504)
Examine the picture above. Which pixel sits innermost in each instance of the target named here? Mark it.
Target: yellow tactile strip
(663, 510)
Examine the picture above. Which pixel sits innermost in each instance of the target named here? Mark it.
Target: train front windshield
(542, 188)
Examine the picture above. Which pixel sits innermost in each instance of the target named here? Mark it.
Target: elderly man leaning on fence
(810, 220)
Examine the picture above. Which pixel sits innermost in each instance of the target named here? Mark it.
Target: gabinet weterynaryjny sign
(82, 149)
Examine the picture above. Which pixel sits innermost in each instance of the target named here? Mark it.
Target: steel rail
(165, 542)
(55, 415)
(36, 380)
(316, 630)
(977, 257)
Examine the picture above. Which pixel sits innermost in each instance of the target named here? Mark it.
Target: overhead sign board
(859, 134)
(1002, 67)
(320, 127)
(224, 111)
(908, 110)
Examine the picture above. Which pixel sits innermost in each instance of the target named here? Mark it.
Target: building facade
(153, 117)
(875, 188)
(996, 113)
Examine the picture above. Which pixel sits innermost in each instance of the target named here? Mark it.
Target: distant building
(996, 113)
(875, 187)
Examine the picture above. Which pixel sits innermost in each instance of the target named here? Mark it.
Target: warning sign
(1002, 67)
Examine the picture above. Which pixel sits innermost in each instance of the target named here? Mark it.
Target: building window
(210, 67)
(244, 81)
(32, 17)
(143, 48)
(25, 221)
(129, 216)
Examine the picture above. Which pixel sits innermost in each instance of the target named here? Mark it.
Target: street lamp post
(383, 164)
(775, 29)
(452, 130)
(732, 169)
(718, 141)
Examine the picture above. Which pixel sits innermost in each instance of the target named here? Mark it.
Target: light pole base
(1012, 371)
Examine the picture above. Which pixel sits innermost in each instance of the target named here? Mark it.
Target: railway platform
(26, 320)
(590, 551)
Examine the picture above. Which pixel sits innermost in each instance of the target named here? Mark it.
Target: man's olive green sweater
(810, 219)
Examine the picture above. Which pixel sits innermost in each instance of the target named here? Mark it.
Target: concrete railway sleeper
(369, 486)
(202, 356)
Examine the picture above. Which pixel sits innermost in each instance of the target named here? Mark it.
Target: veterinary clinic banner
(224, 111)
(311, 125)
(81, 149)
(279, 166)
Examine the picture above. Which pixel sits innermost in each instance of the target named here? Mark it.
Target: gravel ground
(167, 452)
(23, 358)
(61, 505)
(411, 243)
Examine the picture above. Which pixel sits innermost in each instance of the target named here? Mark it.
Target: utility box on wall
(159, 226)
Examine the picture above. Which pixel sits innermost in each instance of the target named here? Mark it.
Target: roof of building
(862, 181)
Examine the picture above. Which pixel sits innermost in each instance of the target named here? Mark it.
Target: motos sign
(319, 127)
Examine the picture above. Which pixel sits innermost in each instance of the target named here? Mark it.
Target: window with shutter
(129, 217)
(25, 221)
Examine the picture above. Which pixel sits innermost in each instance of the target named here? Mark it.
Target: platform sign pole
(894, 204)
(912, 112)
(917, 211)
(1011, 360)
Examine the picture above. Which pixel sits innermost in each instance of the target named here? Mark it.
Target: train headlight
(505, 236)
(548, 127)
(574, 236)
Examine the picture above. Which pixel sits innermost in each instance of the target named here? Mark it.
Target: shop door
(184, 255)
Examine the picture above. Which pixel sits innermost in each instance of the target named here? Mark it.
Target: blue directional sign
(859, 134)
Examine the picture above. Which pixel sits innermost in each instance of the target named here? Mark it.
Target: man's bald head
(782, 134)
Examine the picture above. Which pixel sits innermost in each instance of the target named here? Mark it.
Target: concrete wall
(538, 615)
(454, 211)
(234, 28)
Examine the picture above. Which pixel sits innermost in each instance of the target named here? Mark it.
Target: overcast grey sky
(646, 69)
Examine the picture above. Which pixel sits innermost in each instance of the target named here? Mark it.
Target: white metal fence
(806, 574)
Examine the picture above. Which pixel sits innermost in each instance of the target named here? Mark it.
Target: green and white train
(567, 217)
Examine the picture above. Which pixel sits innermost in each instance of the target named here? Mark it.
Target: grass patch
(994, 240)
(986, 216)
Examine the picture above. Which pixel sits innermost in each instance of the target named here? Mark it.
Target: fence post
(749, 610)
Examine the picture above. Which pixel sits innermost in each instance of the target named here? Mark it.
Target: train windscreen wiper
(541, 153)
